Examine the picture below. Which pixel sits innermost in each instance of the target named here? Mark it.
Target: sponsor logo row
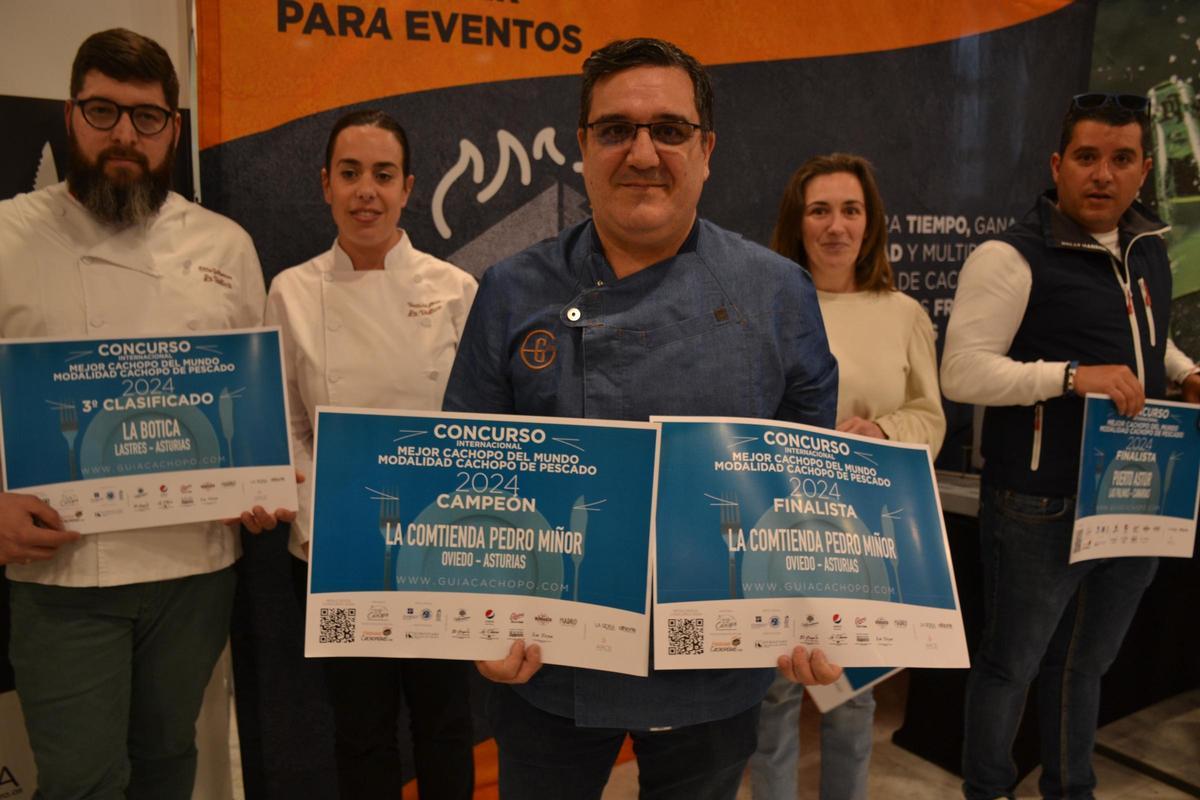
(731, 634)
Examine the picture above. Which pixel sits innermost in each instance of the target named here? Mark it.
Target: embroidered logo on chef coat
(424, 309)
(217, 276)
(538, 349)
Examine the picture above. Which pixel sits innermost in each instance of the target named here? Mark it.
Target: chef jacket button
(426, 322)
(334, 377)
(432, 374)
(328, 277)
(87, 259)
(334, 325)
(97, 322)
(193, 324)
(573, 314)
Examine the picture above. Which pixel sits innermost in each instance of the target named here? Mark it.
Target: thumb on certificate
(800, 667)
(517, 667)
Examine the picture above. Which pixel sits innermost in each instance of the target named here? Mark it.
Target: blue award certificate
(772, 534)
(126, 433)
(1138, 480)
(453, 535)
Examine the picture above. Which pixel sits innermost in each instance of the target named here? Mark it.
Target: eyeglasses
(1130, 102)
(103, 114)
(614, 133)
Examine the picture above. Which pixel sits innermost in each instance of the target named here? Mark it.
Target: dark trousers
(365, 694)
(547, 757)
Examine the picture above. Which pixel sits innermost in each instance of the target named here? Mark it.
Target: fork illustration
(389, 523)
(225, 416)
(579, 521)
(68, 423)
(731, 523)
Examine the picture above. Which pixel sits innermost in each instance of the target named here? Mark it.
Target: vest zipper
(1035, 456)
(1137, 339)
(1146, 305)
(1124, 282)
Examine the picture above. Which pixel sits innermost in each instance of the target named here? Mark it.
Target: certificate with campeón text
(127, 433)
(772, 534)
(1138, 480)
(453, 535)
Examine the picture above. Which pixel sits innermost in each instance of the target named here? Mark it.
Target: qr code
(337, 625)
(685, 637)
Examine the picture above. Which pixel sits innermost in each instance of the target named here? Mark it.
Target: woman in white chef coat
(376, 322)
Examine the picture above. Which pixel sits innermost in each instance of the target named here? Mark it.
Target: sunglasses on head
(1129, 102)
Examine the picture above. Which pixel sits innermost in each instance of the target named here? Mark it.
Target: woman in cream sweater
(831, 221)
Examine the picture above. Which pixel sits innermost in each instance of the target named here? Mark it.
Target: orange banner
(305, 57)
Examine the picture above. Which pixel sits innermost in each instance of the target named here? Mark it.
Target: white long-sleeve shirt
(368, 338)
(993, 291)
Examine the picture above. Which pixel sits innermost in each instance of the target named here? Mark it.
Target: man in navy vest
(1073, 299)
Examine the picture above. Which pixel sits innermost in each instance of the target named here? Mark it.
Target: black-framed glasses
(1136, 103)
(613, 133)
(103, 115)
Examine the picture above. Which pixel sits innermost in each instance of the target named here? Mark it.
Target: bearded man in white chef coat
(114, 635)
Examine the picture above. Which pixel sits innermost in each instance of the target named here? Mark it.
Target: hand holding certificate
(30, 530)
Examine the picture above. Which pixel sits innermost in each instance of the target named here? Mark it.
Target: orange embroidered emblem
(538, 350)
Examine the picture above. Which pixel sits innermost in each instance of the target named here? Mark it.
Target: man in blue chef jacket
(643, 309)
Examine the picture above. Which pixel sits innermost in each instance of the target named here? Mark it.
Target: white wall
(38, 39)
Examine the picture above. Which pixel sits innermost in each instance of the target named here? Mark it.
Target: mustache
(123, 153)
(636, 175)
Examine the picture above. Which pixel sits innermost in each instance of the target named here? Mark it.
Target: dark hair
(126, 56)
(374, 118)
(1107, 114)
(871, 271)
(625, 54)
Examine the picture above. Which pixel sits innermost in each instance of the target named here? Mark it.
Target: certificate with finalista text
(773, 534)
(1138, 481)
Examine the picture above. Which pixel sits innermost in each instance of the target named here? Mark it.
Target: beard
(129, 198)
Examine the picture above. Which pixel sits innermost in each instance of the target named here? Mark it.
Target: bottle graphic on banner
(1177, 177)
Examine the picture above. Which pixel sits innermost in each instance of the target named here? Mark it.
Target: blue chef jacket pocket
(687, 329)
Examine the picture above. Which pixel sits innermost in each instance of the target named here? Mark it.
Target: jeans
(847, 733)
(1043, 616)
(547, 757)
(111, 680)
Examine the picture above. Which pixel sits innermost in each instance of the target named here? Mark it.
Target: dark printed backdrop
(958, 107)
(961, 132)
